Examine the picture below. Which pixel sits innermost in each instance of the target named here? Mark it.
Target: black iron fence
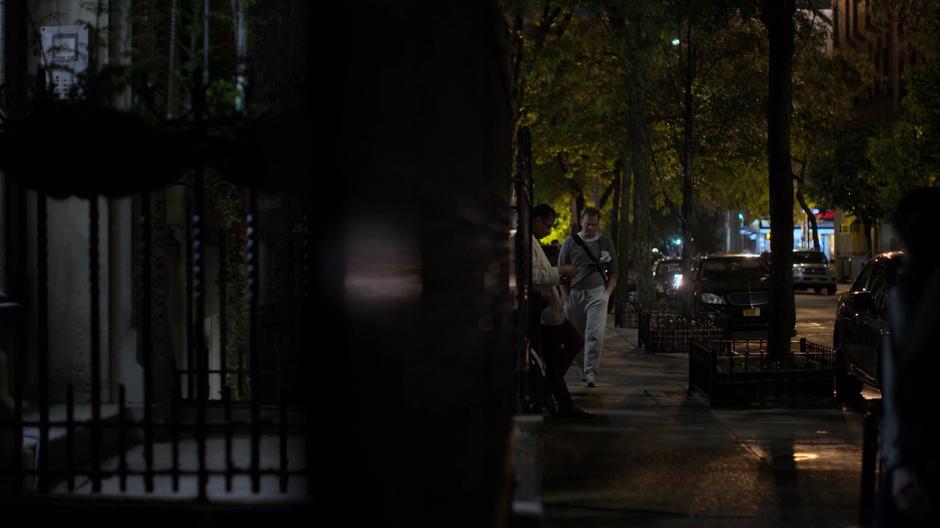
(247, 425)
(742, 372)
(665, 331)
(629, 315)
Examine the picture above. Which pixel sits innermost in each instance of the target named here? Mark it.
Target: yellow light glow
(800, 457)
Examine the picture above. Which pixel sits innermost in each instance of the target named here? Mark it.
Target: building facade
(874, 28)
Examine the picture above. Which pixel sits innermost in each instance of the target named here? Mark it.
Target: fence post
(643, 328)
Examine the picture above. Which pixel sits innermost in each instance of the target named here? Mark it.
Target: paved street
(815, 314)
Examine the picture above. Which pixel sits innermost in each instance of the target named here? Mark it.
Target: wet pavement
(655, 457)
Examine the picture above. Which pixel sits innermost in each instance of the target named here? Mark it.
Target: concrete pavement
(655, 457)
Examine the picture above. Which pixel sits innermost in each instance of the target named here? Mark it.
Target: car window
(809, 257)
(668, 267)
(862, 280)
(727, 268)
(876, 285)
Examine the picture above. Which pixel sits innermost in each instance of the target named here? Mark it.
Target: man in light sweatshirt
(595, 258)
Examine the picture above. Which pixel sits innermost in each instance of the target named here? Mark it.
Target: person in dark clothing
(551, 251)
(909, 494)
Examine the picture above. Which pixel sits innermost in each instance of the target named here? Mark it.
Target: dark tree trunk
(778, 18)
(614, 231)
(615, 210)
(867, 224)
(611, 189)
(687, 197)
(646, 296)
(623, 246)
(814, 226)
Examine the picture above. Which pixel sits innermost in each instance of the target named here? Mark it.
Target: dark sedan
(860, 324)
(667, 276)
(735, 288)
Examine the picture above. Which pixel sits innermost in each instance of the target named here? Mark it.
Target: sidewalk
(656, 457)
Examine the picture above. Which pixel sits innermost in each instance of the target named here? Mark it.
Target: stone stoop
(58, 445)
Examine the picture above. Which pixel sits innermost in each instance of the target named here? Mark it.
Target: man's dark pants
(560, 345)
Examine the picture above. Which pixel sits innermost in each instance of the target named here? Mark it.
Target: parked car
(735, 288)
(860, 323)
(811, 269)
(667, 276)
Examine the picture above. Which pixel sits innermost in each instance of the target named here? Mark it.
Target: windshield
(809, 257)
(665, 268)
(733, 268)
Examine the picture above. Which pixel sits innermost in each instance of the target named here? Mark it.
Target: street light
(675, 42)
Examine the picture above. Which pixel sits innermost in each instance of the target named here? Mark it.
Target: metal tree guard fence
(741, 372)
(665, 331)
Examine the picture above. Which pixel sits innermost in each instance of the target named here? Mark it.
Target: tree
(638, 27)
(825, 90)
(841, 175)
(778, 18)
(865, 166)
(707, 129)
(904, 154)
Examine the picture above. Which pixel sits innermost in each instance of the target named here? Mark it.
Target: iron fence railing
(261, 433)
(730, 372)
(665, 331)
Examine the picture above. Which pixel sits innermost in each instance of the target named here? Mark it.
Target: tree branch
(812, 6)
(607, 192)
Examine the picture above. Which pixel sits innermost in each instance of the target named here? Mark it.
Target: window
(809, 257)
(862, 280)
(730, 268)
(877, 284)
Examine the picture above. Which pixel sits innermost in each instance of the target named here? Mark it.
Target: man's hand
(611, 285)
(567, 272)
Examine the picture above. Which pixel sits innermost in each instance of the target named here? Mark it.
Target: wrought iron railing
(189, 431)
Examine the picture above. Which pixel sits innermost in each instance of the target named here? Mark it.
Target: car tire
(848, 390)
(831, 290)
(817, 289)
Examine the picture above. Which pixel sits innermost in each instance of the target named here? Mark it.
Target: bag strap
(580, 242)
(597, 263)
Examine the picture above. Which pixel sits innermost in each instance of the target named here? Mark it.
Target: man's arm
(543, 273)
(612, 269)
(611, 284)
(564, 259)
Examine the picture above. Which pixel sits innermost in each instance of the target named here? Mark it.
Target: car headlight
(711, 298)
(676, 281)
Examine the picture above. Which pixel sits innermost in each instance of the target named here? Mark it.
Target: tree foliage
(905, 154)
